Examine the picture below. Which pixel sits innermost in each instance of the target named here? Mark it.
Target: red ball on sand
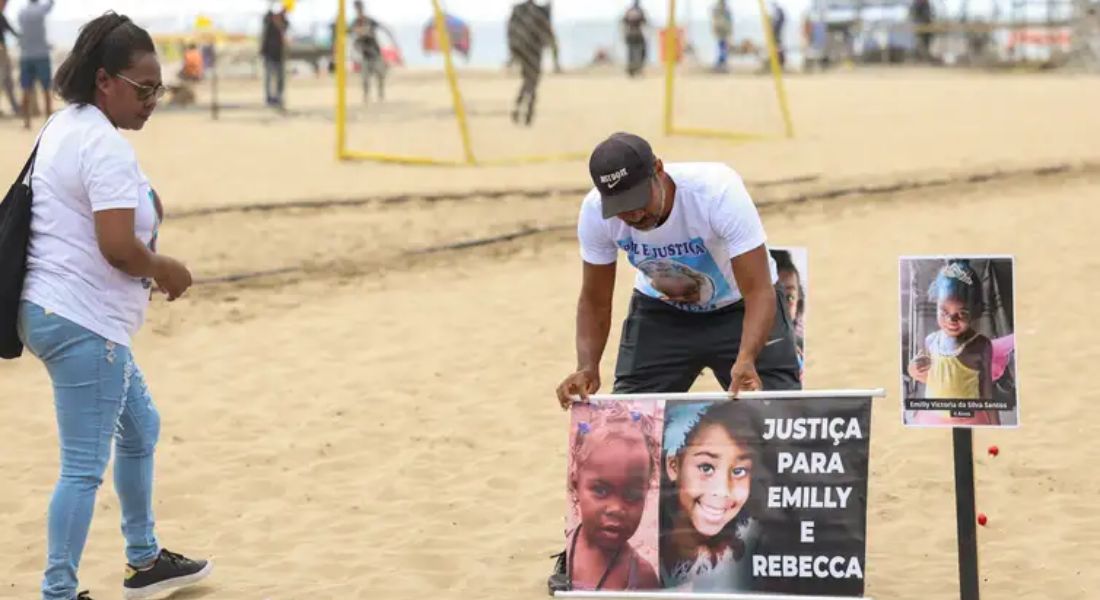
(982, 519)
(994, 450)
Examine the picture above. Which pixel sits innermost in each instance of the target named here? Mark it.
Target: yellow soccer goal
(469, 82)
(457, 117)
(738, 102)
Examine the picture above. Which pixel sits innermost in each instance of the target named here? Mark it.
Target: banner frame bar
(726, 396)
(671, 595)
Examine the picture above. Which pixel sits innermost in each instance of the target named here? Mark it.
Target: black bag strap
(28, 169)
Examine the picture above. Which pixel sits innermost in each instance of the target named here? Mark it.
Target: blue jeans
(100, 397)
(723, 53)
(274, 80)
(35, 69)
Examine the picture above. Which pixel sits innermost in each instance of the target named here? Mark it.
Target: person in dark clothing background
(273, 51)
(35, 67)
(921, 14)
(364, 31)
(530, 32)
(634, 22)
(7, 81)
(779, 19)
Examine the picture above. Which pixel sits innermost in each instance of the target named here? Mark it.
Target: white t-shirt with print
(85, 165)
(688, 256)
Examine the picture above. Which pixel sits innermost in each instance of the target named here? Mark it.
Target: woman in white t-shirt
(91, 269)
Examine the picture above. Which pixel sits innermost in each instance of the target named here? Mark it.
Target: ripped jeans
(100, 397)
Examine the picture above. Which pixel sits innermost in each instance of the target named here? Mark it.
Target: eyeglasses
(145, 92)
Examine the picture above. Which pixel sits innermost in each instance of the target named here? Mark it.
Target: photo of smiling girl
(958, 341)
(706, 525)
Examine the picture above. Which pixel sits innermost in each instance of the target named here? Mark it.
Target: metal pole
(777, 74)
(341, 81)
(965, 517)
(670, 64)
(456, 95)
(214, 79)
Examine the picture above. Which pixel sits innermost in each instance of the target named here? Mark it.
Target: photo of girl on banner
(707, 497)
(791, 265)
(958, 342)
(678, 282)
(611, 527)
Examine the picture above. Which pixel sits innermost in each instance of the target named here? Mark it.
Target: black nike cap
(621, 167)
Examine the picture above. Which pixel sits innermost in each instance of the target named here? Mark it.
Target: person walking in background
(530, 32)
(721, 20)
(273, 51)
(779, 20)
(815, 36)
(193, 64)
(634, 23)
(7, 81)
(364, 31)
(921, 14)
(34, 55)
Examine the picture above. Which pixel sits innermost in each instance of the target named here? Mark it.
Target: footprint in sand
(31, 526)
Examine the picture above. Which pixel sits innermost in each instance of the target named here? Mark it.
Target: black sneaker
(83, 596)
(559, 578)
(169, 572)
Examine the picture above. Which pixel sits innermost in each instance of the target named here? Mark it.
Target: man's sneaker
(169, 572)
(559, 578)
(83, 596)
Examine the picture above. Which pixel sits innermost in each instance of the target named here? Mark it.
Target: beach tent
(458, 31)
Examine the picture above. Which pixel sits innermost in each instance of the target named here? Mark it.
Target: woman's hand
(172, 276)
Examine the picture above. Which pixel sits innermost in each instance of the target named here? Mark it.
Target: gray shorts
(664, 349)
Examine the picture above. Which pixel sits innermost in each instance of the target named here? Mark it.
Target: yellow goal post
(469, 157)
(671, 51)
(344, 152)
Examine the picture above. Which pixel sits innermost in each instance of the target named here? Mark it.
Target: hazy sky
(415, 11)
(243, 15)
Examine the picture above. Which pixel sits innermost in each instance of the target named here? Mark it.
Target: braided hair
(108, 42)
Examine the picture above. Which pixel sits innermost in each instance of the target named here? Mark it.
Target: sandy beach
(375, 417)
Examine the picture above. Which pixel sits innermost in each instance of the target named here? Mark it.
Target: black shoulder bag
(15, 233)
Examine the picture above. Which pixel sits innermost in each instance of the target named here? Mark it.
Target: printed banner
(958, 342)
(719, 497)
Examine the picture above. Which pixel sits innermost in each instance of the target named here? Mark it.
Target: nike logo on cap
(613, 179)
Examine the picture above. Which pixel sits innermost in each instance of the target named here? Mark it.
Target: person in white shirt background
(34, 55)
(7, 80)
(91, 269)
